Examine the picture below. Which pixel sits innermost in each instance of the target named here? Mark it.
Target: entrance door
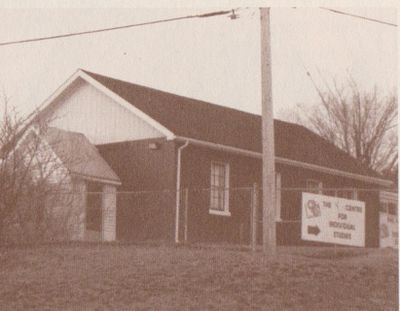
(93, 211)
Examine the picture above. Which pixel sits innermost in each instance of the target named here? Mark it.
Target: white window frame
(225, 211)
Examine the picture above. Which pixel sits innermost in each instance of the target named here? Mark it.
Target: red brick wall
(196, 170)
(202, 226)
(146, 198)
(151, 215)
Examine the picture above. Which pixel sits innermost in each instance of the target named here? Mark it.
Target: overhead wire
(359, 16)
(87, 32)
(204, 15)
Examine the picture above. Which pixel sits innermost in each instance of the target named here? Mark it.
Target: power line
(359, 16)
(72, 34)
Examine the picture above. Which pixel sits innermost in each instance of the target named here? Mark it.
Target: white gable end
(83, 108)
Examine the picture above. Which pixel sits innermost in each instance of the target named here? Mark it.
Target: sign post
(333, 220)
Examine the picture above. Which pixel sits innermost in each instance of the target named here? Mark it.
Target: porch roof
(79, 156)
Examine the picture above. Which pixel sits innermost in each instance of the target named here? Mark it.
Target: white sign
(332, 220)
(388, 226)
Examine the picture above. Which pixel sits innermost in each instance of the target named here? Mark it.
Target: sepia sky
(214, 59)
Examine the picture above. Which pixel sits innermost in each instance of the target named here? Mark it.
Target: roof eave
(96, 179)
(286, 161)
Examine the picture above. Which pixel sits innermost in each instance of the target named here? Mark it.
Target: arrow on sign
(313, 230)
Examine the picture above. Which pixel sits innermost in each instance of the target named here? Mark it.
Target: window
(388, 207)
(347, 194)
(314, 186)
(330, 193)
(219, 194)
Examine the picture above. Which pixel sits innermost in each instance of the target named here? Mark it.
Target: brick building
(158, 143)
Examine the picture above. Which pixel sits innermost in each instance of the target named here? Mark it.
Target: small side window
(219, 190)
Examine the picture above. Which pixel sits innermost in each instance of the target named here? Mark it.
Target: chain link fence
(195, 215)
(231, 215)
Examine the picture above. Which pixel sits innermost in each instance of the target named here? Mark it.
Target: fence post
(241, 234)
(253, 224)
(186, 214)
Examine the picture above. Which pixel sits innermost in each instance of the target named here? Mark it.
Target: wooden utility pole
(268, 144)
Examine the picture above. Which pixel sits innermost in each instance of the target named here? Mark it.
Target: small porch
(92, 211)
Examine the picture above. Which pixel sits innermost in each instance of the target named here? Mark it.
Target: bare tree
(35, 187)
(362, 123)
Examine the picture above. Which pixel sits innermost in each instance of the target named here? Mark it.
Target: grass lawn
(161, 277)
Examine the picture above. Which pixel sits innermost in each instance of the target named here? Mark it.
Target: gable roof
(79, 156)
(208, 122)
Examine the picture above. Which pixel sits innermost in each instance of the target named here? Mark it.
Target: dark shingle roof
(209, 122)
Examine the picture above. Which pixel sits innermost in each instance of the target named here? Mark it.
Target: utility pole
(268, 144)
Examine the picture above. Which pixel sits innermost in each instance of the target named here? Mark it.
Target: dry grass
(156, 277)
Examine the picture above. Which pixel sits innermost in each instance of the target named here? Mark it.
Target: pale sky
(213, 59)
